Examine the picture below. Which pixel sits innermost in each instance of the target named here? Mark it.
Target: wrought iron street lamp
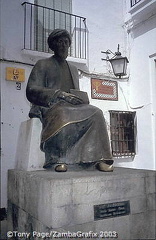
(118, 63)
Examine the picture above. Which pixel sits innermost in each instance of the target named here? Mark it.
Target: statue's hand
(70, 98)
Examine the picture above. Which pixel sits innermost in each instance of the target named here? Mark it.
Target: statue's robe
(70, 133)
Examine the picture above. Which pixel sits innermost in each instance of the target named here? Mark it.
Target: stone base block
(29, 157)
(46, 201)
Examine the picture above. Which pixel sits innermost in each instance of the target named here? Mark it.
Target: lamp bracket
(118, 53)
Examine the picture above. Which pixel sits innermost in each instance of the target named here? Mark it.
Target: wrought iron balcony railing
(134, 2)
(40, 21)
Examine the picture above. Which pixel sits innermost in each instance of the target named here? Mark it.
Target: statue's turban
(54, 35)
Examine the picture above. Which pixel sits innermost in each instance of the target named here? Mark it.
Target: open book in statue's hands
(80, 94)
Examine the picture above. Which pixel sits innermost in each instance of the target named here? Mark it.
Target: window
(42, 17)
(47, 20)
(134, 2)
(123, 133)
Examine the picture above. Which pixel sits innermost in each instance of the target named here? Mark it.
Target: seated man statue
(73, 131)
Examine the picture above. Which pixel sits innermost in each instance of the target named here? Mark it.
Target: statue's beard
(62, 53)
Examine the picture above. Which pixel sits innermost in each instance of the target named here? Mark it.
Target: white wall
(137, 36)
(142, 39)
(14, 109)
(14, 106)
(105, 25)
(12, 21)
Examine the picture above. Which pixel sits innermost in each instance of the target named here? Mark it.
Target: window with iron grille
(123, 133)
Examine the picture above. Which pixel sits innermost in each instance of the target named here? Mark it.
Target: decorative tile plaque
(15, 74)
(104, 89)
(111, 210)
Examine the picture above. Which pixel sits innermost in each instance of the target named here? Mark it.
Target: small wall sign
(104, 89)
(15, 74)
(111, 210)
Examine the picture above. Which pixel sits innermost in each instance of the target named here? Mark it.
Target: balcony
(40, 21)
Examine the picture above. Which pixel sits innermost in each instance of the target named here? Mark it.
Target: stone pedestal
(46, 201)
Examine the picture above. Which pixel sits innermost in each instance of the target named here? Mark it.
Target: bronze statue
(73, 131)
